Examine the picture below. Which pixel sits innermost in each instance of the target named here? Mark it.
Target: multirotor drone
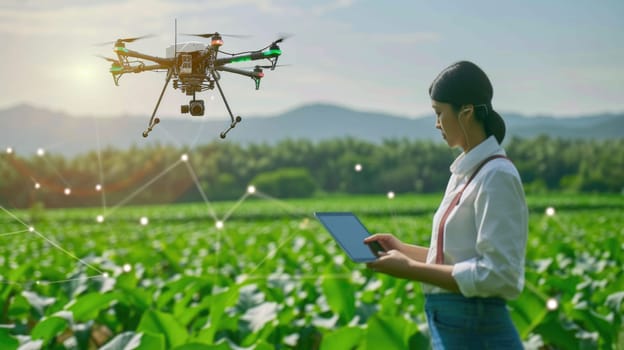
(194, 67)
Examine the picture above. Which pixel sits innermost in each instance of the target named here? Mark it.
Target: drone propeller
(109, 59)
(125, 40)
(281, 38)
(210, 35)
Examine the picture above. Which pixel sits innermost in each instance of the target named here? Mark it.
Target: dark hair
(465, 83)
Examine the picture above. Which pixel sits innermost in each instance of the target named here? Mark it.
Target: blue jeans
(457, 322)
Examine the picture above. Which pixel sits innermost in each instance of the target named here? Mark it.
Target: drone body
(194, 67)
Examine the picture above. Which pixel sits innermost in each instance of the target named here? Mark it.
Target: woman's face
(447, 122)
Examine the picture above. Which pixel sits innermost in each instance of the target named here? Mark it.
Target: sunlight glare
(552, 304)
(550, 211)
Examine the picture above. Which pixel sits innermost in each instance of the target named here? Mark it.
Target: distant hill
(26, 128)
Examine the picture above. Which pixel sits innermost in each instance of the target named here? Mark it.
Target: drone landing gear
(153, 121)
(234, 121)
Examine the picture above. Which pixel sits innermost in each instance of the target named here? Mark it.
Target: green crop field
(267, 276)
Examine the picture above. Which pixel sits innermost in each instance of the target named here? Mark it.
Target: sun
(84, 73)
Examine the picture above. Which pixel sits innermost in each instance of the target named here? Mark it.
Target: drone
(193, 67)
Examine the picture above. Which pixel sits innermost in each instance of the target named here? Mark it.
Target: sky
(559, 57)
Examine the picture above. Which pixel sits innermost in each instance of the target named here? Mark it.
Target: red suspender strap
(440, 245)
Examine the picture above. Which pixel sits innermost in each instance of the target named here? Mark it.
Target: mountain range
(25, 128)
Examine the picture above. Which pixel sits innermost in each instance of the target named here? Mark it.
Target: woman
(476, 257)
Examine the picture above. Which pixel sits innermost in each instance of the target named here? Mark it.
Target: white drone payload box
(184, 47)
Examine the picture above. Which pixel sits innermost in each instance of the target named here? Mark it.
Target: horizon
(557, 58)
(294, 108)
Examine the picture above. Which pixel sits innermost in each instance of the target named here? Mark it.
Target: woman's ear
(466, 110)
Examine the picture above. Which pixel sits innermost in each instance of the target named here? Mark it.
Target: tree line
(291, 168)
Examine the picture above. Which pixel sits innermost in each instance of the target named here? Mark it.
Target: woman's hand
(394, 263)
(388, 241)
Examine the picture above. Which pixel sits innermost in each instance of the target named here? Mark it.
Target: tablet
(349, 232)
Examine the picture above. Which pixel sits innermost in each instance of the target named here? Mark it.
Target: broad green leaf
(162, 323)
(124, 341)
(552, 331)
(126, 281)
(389, 332)
(340, 295)
(87, 307)
(151, 341)
(7, 342)
(172, 288)
(596, 322)
(614, 301)
(49, 328)
(220, 302)
(202, 346)
(38, 302)
(257, 316)
(343, 338)
(19, 307)
(135, 297)
(528, 310)
(263, 345)
(136, 341)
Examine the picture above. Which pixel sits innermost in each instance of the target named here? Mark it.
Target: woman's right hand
(387, 240)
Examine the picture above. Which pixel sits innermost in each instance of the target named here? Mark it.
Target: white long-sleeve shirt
(485, 235)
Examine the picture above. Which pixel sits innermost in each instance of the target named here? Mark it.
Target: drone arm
(250, 74)
(272, 53)
(142, 68)
(123, 52)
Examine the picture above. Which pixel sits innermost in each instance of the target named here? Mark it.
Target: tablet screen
(349, 232)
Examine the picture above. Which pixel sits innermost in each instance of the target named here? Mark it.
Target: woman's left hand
(393, 263)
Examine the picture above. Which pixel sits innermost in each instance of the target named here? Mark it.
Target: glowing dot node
(219, 224)
(390, 195)
(251, 189)
(144, 220)
(127, 268)
(358, 167)
(9, 150)
(184, 157)
(40, 152)
(105, 275)
(98, 187)
(31, 229)
(67, 191)
(100, 218)
(37, 185)
(552, 304)
(550, 211)
(37, 282)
